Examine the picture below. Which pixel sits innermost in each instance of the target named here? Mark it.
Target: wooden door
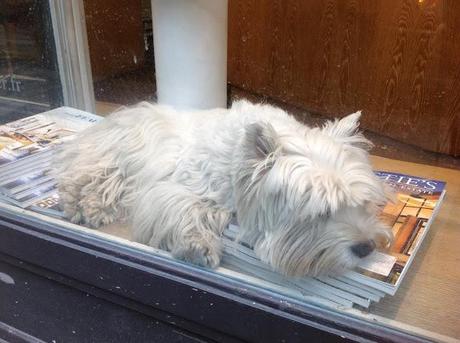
(398, 61)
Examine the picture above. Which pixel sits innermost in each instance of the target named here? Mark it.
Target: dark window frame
(158, 283)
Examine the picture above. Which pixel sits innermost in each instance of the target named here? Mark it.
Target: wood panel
(115, 36)
(398, 61)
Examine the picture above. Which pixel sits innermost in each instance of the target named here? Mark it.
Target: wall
(398, 61)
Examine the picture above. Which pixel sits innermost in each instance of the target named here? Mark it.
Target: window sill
(158, 283)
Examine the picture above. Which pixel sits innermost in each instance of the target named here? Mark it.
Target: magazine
(382, 272)
(410, 217)
(38, 188)
(33, 167)
(27, 146)
(241, 258)
(26, 182)
(29, 198)
(22, 139)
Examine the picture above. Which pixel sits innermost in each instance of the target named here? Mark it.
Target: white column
(69, 30)
(190, 43)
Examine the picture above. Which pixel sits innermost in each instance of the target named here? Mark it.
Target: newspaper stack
(26, 151)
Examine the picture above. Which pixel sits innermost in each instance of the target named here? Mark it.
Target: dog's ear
(344, 127)
(260, 141)
(260, 150)
(346, 131)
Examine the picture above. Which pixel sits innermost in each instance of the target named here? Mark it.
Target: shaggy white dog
(304, 197)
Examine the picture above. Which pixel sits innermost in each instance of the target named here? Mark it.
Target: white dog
(304, 197)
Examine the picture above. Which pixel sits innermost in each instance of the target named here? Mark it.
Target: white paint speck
(6, 278)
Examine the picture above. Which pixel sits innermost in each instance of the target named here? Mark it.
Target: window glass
(397, 62)
(29, 81)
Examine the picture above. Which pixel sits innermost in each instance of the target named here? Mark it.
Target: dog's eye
(326, 214)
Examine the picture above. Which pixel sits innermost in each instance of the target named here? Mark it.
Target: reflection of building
(29, 80)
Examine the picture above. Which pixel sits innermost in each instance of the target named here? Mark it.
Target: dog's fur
(302, 196)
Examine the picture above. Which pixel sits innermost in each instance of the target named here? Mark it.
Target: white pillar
(190, 43)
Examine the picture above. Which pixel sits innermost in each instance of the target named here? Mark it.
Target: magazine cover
(410, 217)
(26, 137)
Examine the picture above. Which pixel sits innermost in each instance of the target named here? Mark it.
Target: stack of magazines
(26, 150)
(410, 217)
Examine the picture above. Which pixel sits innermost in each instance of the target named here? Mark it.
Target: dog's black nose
(362, 249)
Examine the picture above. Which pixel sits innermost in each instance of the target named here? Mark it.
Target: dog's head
(308, 198)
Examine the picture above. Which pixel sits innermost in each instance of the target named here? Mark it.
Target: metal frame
(157, 283)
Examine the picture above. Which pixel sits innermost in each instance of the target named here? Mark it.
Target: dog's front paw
(202, 254)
